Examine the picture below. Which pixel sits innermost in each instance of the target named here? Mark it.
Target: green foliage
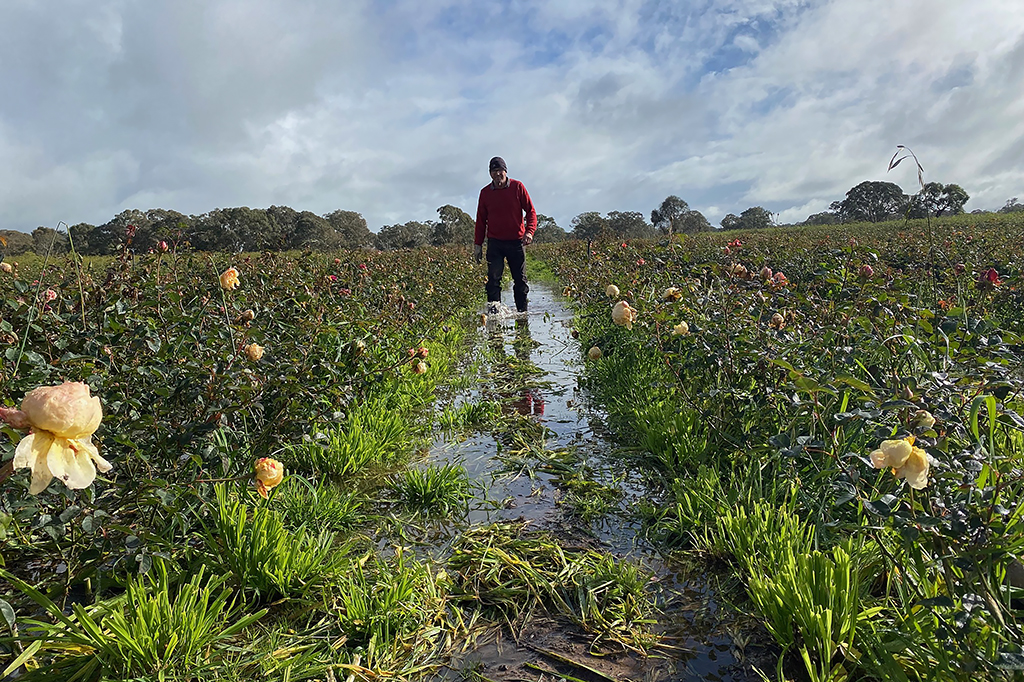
(799, 378)
(435, 489)
(548, 230)
(410, 235)
(372, 437)
(467, 415)
(590, 225)
(454, 226)
(264, 557)
(587, 499)
(513, 572)
(871, 201)
(383, 603)
(324, 507)
(936, 199)
(152, 629)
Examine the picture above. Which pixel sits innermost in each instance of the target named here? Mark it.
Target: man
(499, 217)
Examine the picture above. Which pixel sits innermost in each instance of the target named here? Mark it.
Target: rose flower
(229, 279)
(269, 473)
(62, 420)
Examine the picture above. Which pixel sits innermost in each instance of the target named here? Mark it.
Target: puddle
(701, 644)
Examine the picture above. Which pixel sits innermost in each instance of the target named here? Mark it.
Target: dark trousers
(498, 251)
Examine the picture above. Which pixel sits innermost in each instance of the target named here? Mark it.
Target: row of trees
(277, 228)
(874, 202)
(281, 228)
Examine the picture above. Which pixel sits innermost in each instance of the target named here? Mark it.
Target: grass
(444, 489)
(513, 572)
(264, 557)
(325, 506)
(372, 437)
(154, 629)
(454, 420)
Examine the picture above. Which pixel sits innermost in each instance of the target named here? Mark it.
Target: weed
(152, 629)
(265, 557)
(435, 489)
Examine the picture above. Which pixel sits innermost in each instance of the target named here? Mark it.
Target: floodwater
(703, 640)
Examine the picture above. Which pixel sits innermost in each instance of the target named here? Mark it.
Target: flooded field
(530, 365)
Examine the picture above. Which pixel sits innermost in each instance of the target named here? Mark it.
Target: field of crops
(836, 415)
(823, 425)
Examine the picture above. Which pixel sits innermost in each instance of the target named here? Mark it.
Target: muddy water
(703, 642)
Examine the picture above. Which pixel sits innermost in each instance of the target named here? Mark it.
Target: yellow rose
(777, 321)
(623, 315)
(915, 469)
(594, 353)
(63, 419)
(269, 473)
(671, 294)
(67, 411)
(891, 453)
(229, 279)
(681, 329)
(907, 461)
(737, 270)
(611, 291)
(254, 352)
(419, 367)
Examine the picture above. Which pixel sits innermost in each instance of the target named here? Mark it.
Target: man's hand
(478, 252)
(527, 239)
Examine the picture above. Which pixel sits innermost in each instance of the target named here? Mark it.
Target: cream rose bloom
(254, 352)
(611, 291)
(623, 315)
(63, 419)
(907, 461)
(671, 294)
(681, 329)
(923, 419)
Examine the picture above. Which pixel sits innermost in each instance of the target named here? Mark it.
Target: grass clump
(372, 437)
(588, 500)
(456, 419)
(435, 489)
(154, 628)
(264, 557)
(324, 507)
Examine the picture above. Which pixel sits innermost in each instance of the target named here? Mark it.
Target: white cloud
(393, 110)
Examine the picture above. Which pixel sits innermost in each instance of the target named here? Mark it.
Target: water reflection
(512, 386)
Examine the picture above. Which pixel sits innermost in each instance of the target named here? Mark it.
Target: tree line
(278, 228)
(281, 228)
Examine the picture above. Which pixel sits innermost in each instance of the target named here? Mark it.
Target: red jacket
(499, 213)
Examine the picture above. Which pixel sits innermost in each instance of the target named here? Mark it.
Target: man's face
(498, 176)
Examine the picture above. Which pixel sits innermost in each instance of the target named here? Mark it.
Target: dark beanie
(498, 163)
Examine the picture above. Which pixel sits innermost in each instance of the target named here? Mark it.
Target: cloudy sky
(392, 108)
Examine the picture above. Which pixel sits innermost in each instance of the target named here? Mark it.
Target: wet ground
(532, 368)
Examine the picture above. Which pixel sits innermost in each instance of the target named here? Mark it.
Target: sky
(393, 108)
